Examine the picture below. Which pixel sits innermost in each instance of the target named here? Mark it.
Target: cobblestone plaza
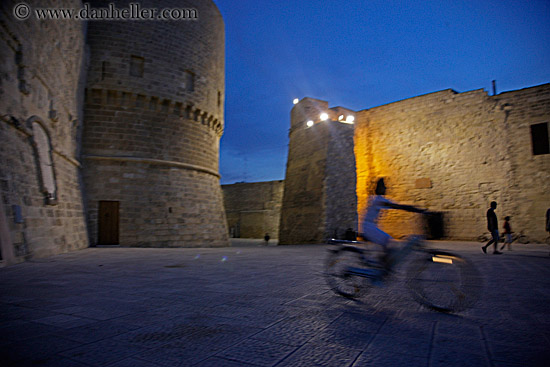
(251, 305)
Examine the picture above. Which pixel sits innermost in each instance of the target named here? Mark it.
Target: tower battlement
(309, 111)
(155, 104)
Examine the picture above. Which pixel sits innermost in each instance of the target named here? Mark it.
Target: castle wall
(455, 153)
(319, 199)
(529, 176)
(41, 87)
(341, 198)
(154, 118)
(253, 209)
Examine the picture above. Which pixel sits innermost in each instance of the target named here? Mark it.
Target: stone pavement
(252, 305)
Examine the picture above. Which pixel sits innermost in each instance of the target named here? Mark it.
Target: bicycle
(439, 280)
(519, 237)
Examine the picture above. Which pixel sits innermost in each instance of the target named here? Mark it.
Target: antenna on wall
(494, 87)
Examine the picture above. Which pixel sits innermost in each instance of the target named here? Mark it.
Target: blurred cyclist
(369, 226)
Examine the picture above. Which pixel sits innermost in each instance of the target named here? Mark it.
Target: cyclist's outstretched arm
(408, 208)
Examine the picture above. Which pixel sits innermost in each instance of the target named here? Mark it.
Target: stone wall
(41, 86)
(253, 209)
(341, 198)
(319, 199)
(154, 118)
(455, 153)
(529, 176)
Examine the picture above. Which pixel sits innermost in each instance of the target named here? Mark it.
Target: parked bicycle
(440, 280)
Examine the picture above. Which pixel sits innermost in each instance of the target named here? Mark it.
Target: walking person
(508, 233)
(492, 226)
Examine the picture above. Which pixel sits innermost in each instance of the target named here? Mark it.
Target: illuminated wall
(455, 153)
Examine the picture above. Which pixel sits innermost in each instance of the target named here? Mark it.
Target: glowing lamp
(295, 101)
(309, 123)
(324, 116)
(350, 119)
(340, 118)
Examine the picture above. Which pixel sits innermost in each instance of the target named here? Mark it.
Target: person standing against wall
(492, 226)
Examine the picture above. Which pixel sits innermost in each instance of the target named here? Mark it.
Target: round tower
(153, 122)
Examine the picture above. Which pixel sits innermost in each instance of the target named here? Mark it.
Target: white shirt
(375, 204)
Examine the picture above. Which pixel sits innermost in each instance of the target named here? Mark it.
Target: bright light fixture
(295, 101)
(340, 118)
(309, 123)
(324, 116)
(350, 119)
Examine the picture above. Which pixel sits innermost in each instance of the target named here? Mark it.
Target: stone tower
(319, 199)
(153, 121)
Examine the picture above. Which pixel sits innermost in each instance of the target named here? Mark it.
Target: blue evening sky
(361, 54)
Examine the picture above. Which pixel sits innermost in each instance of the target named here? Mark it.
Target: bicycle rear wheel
(337, 273)
(443, 281)
(523, 239)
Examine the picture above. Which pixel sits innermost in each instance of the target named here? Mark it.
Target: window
(45, 163)
(539, 138)
(136, 66)
(188, 81)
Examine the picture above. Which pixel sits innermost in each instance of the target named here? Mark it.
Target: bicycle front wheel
(337, 273)
(443, 281)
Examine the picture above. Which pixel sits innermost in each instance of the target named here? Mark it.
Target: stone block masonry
(253, 209)
(452, 153)
(455, 153)
(111, 124)
(154, 118)
(41, 86)
(319, 199)
(160, 205)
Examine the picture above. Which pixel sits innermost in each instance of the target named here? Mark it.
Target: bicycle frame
(413, 244)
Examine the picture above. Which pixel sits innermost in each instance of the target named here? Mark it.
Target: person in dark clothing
(508, 234)
(350, 235)
(492, 226)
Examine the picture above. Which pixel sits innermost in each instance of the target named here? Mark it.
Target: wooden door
(107, 223)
